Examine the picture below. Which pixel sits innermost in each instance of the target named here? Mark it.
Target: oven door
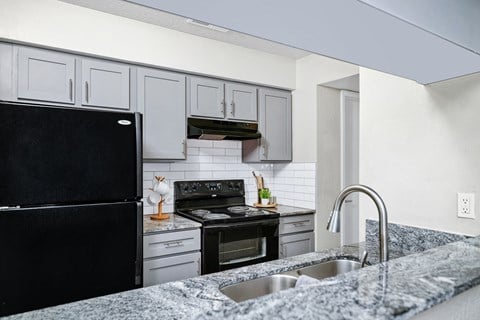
(228, 246)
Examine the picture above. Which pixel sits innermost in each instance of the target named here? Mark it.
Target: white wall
(312, 71)
(328, 163)
(58, 24)
(419, 146)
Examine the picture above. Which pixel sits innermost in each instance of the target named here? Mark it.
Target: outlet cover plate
(466, 205)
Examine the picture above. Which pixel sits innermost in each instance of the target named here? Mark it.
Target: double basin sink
(270, 284)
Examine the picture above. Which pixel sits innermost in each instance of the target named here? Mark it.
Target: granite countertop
(397, 289)
(290, 211)
(174, 222)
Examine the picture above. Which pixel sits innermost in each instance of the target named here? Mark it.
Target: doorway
(349, 164)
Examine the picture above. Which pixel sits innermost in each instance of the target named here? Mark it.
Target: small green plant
(265, 193)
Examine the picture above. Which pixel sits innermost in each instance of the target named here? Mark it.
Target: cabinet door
(161, 99)
(295, 244)
(172, 268)
(105, 84)
(275, 125)
(45, 75)
(241, 102)
(207, 98)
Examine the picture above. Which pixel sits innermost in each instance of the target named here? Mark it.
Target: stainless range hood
(207, 129)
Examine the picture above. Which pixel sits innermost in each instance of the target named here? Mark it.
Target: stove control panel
(207, 189)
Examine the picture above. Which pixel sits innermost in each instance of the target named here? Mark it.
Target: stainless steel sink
(330, 268)
(255, 288)
(259, 287)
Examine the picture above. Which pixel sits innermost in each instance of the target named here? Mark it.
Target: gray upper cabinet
(206, 97)
(275, 125)
(161, 99)
(45, 76)
(241, 101)
(105, 84)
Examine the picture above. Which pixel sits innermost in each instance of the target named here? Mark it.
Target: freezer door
(55, 255)
(64, 156)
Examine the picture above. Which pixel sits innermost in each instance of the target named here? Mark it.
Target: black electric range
(233, 234)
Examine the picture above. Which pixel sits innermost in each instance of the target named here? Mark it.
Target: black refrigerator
(70, 210)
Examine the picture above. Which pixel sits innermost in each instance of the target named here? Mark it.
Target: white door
(349, 117)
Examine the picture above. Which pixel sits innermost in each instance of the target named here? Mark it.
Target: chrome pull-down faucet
(334, 220)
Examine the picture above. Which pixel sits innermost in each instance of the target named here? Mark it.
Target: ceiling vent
(206, 25)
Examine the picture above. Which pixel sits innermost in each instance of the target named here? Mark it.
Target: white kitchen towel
(305, 281)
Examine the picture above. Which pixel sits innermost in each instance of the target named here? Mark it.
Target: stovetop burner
(200, 212)
(214, 216)
(238, 209)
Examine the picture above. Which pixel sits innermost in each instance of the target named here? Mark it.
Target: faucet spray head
(334, 221)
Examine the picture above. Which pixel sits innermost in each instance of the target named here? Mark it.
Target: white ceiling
(175, 22)
(348, 30)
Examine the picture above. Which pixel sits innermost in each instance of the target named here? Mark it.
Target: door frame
(344, 95)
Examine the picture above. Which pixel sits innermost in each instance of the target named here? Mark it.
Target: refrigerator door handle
(138, 136)
(139, 258)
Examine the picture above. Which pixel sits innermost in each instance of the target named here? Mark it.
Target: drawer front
(174, 268)
(295, 244)
(297, 224)
(162, 244)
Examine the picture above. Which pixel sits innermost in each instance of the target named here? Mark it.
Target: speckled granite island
(398, 289)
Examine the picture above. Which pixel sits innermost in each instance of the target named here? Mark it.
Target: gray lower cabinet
(105, 84)
(296, 235)
(241, 101)
(161, 99)
(275, 125)
(45, 76)
(168, 269)
(171, 256)
(295, 244)
(206, 97)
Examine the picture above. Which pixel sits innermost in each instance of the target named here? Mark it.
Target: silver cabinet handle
(299, 224)
(222, 110)
(184, 143)
(70, 88)
(86, 91)
(232, 110)
(348, 201)
(173, 244)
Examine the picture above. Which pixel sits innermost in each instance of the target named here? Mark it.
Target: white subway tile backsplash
(182, 166)
(233, 152)
(229, 144)
(199, 159)
(171, 175)
(193, 151)
(212, 166)
(212, 151)
(291, 183)
(225, 159)
(199, 143)
(191, 175)
(155, 166)
(222, 175)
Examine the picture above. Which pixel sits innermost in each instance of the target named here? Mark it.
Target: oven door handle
(269, 222)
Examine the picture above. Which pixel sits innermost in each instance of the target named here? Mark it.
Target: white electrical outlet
(466, 205)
